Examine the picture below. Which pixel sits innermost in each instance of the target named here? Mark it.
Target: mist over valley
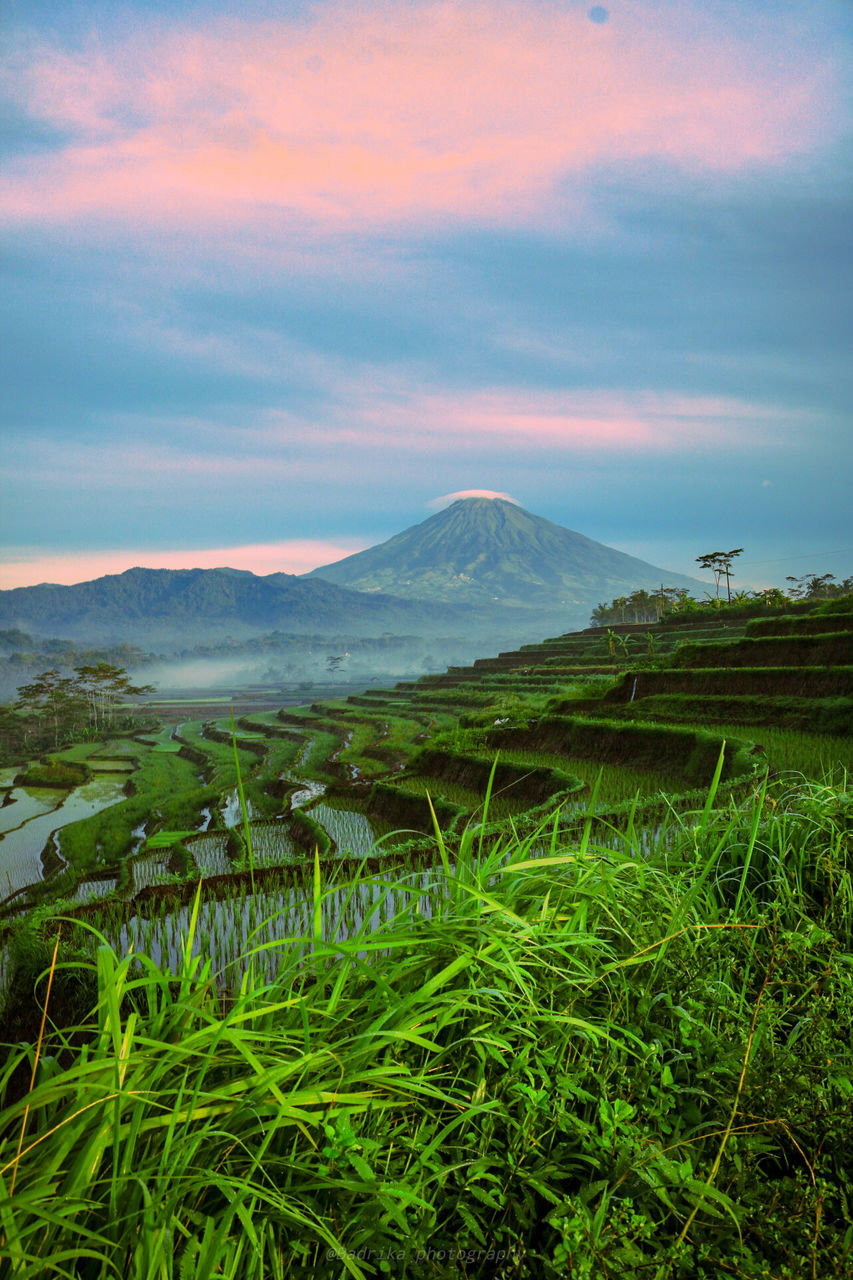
(480, 575)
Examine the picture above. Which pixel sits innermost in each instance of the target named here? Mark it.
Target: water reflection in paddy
(232, 813)
(227, 929)
(24, 803)
(21, 845)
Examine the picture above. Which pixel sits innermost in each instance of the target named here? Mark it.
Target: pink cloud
(385, 112)
(591, 421)
(295, 556)
(375, 418)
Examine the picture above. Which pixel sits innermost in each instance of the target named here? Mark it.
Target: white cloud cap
(437, 503)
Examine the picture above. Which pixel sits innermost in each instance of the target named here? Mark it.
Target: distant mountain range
(483, 569)
(170, 607)
(488, 552)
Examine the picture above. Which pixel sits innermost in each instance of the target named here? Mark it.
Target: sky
(278, 277)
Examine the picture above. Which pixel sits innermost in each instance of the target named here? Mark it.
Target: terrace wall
(692, 753)
(799, 682)
(308, 833)
(408, 811)
(535, 782)
(768, 651)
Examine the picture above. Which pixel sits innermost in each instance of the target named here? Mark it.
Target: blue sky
(274, 282)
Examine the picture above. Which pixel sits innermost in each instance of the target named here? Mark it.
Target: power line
(808, 555)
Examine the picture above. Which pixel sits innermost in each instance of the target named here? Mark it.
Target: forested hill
(159, 606)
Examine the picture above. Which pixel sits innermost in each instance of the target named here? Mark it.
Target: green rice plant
(376, 740)
(312, 762)
(165, 839)
(91, 890)
(164, 741)
(618, 782)
(209, 852)
(273, 845)
(361, 733)
(808, 625)
(218, 755)
(149, 869)
(578, 1058)
(353, 833)
(811, 754)
(52, 774)
(769, 651)
(353, 804)
(401, 731)
(215, 752)
(808, 682)
(504, 804)
(281, 754)
(824, 716)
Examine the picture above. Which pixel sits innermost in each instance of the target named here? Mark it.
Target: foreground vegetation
(550, 1060)
(583, 1017)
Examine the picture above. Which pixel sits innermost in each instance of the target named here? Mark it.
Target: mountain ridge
(483, 568)
(153, 605)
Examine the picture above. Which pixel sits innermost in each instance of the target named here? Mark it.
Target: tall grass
(543, 1060)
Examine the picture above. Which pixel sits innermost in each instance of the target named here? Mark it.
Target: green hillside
(147, 606)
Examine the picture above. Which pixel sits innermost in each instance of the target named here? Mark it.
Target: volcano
(491, 552)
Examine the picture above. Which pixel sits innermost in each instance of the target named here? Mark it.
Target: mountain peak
(486, 549)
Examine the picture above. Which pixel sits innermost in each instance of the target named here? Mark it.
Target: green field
(608, 1037)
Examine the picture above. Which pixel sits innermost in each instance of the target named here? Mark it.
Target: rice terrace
(539, 966)
(422, 856)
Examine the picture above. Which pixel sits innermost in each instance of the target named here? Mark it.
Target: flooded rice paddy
(230, 930)
(150, 869)
(272, 845)
(232, 813)
(24, 803)
(34, 814)
(307, 792)
(353, 833)
(209, 852)
(92, 890)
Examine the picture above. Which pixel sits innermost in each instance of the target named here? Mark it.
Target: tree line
(54, 709)
(651, 606)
